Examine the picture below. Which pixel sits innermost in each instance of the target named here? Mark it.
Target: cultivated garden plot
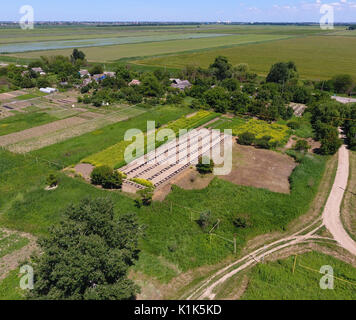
(114, 155)
(81, 126)
(39, 131)
(173, 158)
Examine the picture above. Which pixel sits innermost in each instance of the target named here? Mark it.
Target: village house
(180, 84)
(39, 70)
(84, 73)
(135, 82)
(99, 77)
(110, 74)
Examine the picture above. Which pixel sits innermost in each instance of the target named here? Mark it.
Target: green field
(25, 205)
(47, 33)
(10, 287)
(23, 121)
(73, 150)
(317, 57)
(116, 52)
(275, 280)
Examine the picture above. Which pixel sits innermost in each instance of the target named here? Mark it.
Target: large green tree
(221, 68)
(282, 72)
(87, 255)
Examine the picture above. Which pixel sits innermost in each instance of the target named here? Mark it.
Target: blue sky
(180, 10)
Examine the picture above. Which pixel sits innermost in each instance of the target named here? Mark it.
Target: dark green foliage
(242, 221)
(282, 72)
(106, 177)
(205, 165)
(293, 125)
(265, 143)
(77, 55)
(230, 84)
(52, 180)
(302, 145)
(221, 68)
(218, 99)
(205, 220)
(145, 199)
(247, 138)
(343, 83)
(96, 69)
(151, 87)
(87, 255)
(330, 141)
(301, 95)
(240, 102)
(350, 126)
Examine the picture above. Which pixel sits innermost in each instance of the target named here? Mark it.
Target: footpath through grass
(275, 280)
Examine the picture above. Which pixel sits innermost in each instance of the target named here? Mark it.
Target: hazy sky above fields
(183, 10)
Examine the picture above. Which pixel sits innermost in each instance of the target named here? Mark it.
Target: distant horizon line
(172, 22)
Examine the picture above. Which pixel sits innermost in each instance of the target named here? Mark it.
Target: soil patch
(260, 169)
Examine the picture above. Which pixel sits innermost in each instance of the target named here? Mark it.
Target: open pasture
(275, 280)
(317, 57)
(117, 52)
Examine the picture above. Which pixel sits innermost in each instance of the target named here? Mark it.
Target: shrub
(247, 138)
(242, 221)
(205, 219)
(146, 196)
(302, 145)
(264, 142)
(143, 182)
(293, 125)
(52, 180)
(106, 177)
(205, 165)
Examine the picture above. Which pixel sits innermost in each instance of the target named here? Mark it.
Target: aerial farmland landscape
(161, 154)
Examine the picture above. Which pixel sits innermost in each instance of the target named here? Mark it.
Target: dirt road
(332, 212)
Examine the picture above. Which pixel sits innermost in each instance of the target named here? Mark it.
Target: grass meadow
(275, 280)
(117, 52)
(10, 287)
(173, 241)
(317, 57)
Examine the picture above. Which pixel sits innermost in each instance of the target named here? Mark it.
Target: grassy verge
(10, 287)
(349, 203)
(275, 280)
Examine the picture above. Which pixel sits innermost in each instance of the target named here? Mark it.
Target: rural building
(48, 90)
(135, 82)
(110, 74)
(84, 73)
(99, 77)
(180, 84)
(37, 70)
(86, 82)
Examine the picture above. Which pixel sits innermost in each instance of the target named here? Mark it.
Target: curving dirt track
(332, 212)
